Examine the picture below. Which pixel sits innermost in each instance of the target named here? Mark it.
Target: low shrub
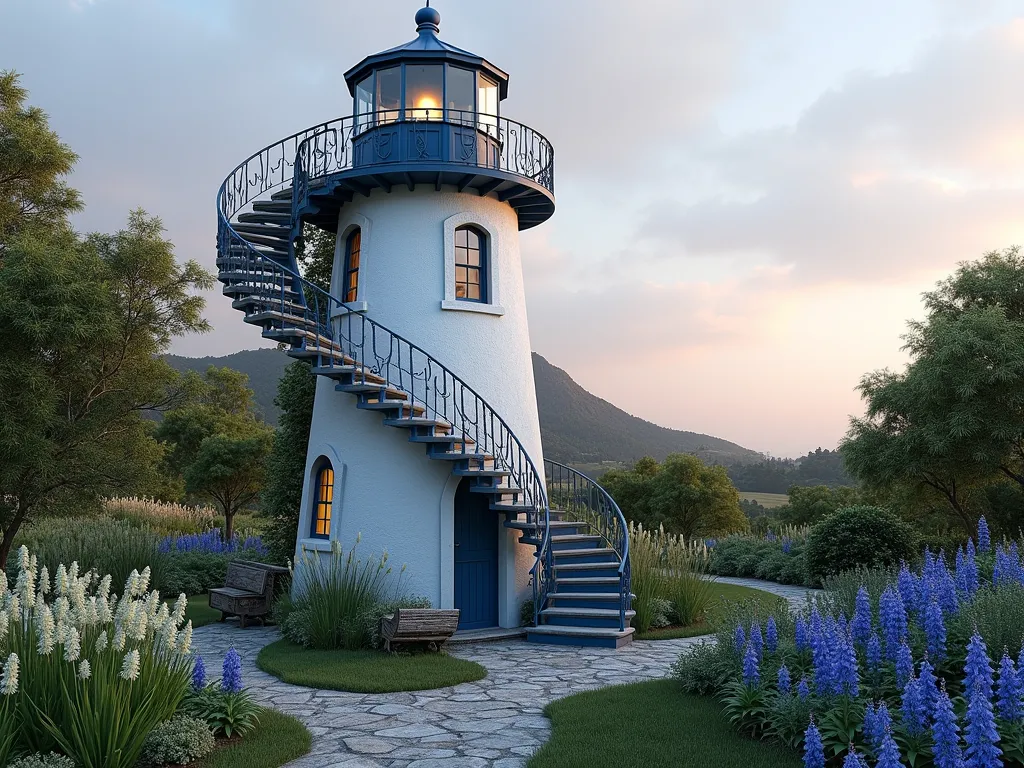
(997, 612)
(51, 760)
(840, 590)
(855, 537)
(225, 706)
(704, 668)
(526, 613)
(179, 740)
(774, 557)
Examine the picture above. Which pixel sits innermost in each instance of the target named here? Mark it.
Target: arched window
(350, 284)
(470, 264)
(323, 498)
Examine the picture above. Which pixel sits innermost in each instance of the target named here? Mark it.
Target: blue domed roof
(427, 47)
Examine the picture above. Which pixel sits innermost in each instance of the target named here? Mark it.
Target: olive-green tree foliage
(231, 471)
(809, 504)
(952, 423)
(33, 164)
(216, 441)
(282, 498)
(683, 494)
(315, 255)
(83, 323)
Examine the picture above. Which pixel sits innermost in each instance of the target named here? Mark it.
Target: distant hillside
(580, 428)
(577, 427)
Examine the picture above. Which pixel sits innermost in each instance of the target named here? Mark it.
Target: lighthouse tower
(422, 337)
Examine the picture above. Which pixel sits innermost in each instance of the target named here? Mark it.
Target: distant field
(769, 500)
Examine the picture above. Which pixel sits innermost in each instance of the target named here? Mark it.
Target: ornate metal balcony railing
(584, 500)
(335, 338)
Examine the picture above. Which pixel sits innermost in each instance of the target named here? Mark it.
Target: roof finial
(428, 19)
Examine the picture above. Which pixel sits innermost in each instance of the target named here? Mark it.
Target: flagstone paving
(496, 721)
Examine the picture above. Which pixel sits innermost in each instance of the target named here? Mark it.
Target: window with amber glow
(350, 284)
(470, 264)
(321, 527)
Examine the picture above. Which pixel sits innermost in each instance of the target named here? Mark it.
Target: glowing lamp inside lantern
(427, 107)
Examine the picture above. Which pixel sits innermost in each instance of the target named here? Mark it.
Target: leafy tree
(683, 494)
(810, 504)
(315, 254)
(231, 471)
(282, 498)
(213, 438)
(217, 402)
(33, 162)
(953, 421)
(82, 325)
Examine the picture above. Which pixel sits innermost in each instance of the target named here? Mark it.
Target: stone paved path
(495, 721)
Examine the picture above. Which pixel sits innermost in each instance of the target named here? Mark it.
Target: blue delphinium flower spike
(874, 652)
(231, 679)
(978, 667)
(929, 684)
(800, 633)
(889, 753)
(782, 680)
(756, 639)
(860, 626)
(814, 749)
(980, 732)
(751, 670)
(771, 635)
(935, 631)
(946, 734)
(984, 537)
(904, 665)
(1008, 691)
(739, 638)
(199, 674)
(913, 713)
(803, 690)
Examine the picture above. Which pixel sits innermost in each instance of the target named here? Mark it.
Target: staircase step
(284, 194)
(266, 217)
(555, 524)
(344, 371)
(595, 596)
(591, 636)
(267, 206)
(585, 552)
(460, 456)
(463, 440)
(508, 506)
(391, 405)
(602, 613)
(508, 490)
(478, 472)
(568, 538)
(409, 423)
(271, 242)
(268, 304)
(284, 234)
(271, 315)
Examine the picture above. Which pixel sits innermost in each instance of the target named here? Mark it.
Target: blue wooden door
(476, 559)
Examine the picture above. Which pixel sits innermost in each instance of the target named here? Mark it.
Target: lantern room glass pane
(487, 104)
(423, 91)
(364, 103)
(460, 95)
(389, 94)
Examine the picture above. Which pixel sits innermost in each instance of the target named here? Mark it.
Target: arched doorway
(476, 559)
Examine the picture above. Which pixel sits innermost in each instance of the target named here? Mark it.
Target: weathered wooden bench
(248, 591)
(418, 625)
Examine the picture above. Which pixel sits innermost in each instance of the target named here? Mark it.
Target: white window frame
(493, 304)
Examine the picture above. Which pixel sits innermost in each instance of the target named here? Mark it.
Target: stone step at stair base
(595, 637)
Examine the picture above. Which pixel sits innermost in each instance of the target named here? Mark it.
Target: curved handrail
(583, 497)
(355, 341)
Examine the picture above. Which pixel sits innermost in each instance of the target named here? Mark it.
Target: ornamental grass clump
(162, 516)
(87, 673)
(335, 592)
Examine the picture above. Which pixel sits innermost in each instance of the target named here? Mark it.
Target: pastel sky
(752, 194)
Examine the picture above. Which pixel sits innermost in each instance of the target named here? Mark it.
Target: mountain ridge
(577, 427)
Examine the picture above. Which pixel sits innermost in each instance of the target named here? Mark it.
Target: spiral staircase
(581, 576)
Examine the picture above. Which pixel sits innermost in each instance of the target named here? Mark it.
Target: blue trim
(483, 269)
(323, 465)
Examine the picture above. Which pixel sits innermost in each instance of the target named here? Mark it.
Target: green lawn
(728, 592)
(198, 610)
(365, 671)
(769, 500)
(277, 739)
(650, 724)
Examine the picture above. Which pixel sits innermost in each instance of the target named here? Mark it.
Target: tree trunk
(229, 523)
(7, 541)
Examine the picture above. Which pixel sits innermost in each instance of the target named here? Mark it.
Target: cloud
(881, 179)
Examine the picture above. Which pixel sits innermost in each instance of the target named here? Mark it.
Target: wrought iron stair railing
(320, 324)
(581, 499)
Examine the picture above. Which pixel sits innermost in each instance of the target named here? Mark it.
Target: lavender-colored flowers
(929, 684)
(853, 760)
(814, 749)
(935, 631)
(231, 672)
(782, 680)
(860, 626)
(771, 635)
(212, 542)
(800, 633)
(889, 753)
(199, 674)
(803, 690)
(913, 712)
(880, 723)
(904, 665)
(984, 537)
(946, 734)
(1009, 702)
(874, 652)
(845, 667)
(893, 617)
(751, 669)
(978, 667)
(756, 639)
(980, 734)
(739, 638)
